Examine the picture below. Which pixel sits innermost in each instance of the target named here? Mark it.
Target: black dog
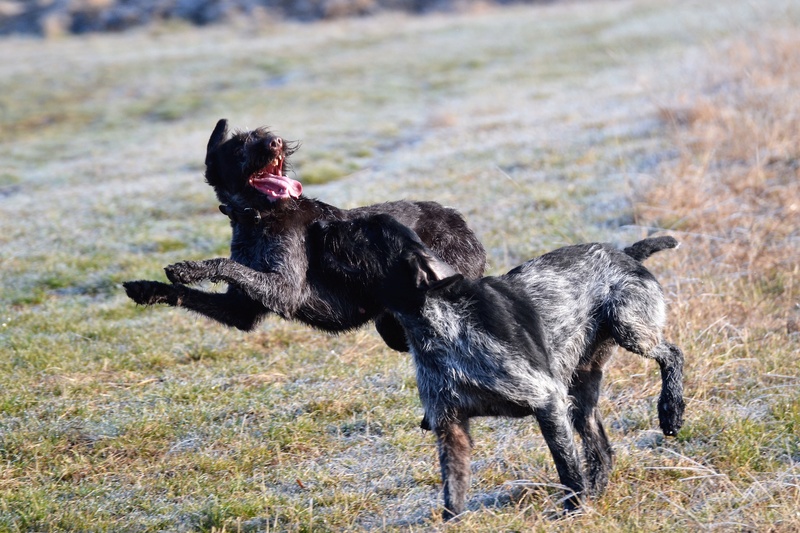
(533, 341)
(272, 266)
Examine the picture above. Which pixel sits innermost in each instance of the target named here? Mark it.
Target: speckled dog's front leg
(455, 448)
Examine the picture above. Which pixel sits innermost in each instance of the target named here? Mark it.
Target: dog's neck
(252, 216)
(301, 207)
(247, 216)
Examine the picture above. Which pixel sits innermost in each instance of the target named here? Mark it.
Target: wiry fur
(530, 342)
(274, 268)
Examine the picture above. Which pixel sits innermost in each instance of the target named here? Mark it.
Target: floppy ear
(218, 136)
(431, 272)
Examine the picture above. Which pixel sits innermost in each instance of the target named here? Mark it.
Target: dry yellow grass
(733, 198)
(735, 190)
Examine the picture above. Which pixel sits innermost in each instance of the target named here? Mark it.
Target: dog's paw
(149, 292)
(670, 415)
(424, 424)
(187, 272)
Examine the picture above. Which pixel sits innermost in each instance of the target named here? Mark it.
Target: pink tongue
(277, 187)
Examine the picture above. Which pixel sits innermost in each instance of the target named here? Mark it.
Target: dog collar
(249, 216)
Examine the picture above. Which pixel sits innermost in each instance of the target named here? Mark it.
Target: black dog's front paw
(145, 292)
(188, 272)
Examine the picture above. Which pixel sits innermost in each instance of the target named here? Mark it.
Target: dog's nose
(276, 143)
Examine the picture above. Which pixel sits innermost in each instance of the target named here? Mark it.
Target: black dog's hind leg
(391, 332)
(231, 308)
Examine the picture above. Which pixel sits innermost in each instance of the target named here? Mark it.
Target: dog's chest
(451, 352)
(462, 366)
(262, 251)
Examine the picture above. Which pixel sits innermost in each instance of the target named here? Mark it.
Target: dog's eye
(240, 154)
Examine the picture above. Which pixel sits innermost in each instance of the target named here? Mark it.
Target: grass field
(549, 125)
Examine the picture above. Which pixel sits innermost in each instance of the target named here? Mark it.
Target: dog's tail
(645, 248)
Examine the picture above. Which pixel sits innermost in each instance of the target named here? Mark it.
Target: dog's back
(443, 229)
(554, 304)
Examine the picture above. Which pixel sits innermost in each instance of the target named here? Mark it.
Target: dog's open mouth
(271, 182)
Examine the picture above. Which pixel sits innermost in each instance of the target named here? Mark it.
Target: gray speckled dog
(531, 342)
